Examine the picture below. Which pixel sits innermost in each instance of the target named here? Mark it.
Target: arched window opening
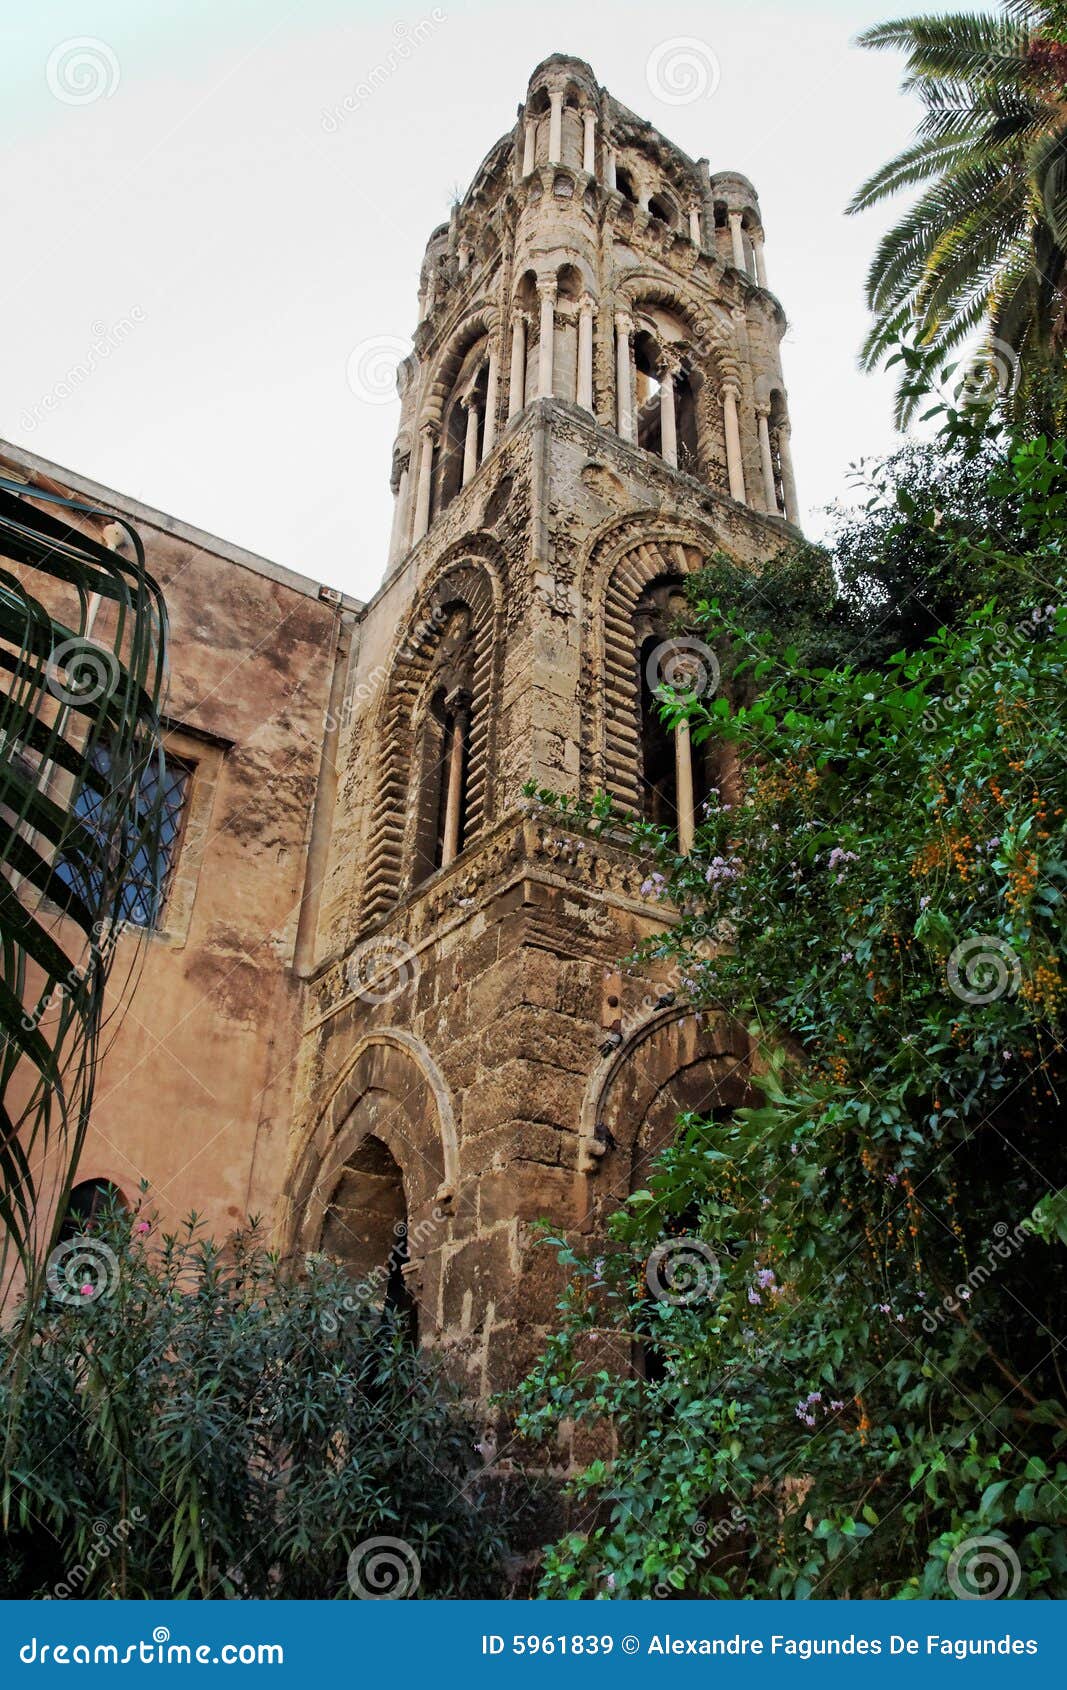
(463, 428)
(676, 776)
(660, 206)
(647, 392)
(776, 422)
(366, 1229)
(90, 1202)
(624, 182)
(666, 393)
(444, 764)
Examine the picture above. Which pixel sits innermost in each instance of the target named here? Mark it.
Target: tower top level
(593, 262)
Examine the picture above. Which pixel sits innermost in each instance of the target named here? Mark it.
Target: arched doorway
(365, 1227)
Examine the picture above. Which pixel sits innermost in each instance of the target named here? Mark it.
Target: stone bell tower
(593, 408)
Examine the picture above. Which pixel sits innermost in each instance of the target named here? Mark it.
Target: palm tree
(82, 663)
(983, 251)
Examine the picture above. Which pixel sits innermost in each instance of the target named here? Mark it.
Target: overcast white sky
(214, 250)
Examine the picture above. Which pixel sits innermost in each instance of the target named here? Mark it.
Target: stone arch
(673, 1062)
(621, 568)
(391, 1092)
(477, 325)
(470, 588)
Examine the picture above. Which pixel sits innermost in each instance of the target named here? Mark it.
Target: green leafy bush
(192, 1420)
(848, 1299)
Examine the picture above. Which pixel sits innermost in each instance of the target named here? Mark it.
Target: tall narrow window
(366, 1228)
(676, 776)
(166, 788)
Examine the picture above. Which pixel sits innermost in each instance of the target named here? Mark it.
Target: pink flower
(88, 1290)
(142, 1226)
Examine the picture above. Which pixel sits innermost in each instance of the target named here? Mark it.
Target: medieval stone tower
(593, 408)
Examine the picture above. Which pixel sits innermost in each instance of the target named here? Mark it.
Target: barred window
(163, 786)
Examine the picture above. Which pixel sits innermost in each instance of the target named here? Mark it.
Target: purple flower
(765, 1277)
(923, 902)
(837, 856)
(808, 1419)
(884, 1308)
(753, 1295)
(846, 956)
(835, 1405)
(892, 1178)
(814, 1396)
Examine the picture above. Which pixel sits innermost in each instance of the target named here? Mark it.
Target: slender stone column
(737, 240)
(470, 443)
(517, 380)
(400, 512)
(623, 380)
(683, 781)
(668, 429)
(555, 126)
(757, 248)
(785, 464)
(734, 466)
(492, 397)
(529, 150)
(457, 704)
(609, 169)
(584, 390)
(589, 142)
(770, 490)
(546, 351)
(694, 225)
(425, 482)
